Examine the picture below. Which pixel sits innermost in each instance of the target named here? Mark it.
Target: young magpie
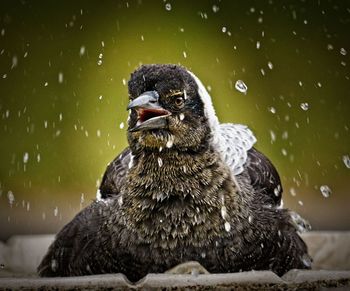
(187, 188)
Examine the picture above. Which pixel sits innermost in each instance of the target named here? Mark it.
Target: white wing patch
(231, 140)
(234, 142)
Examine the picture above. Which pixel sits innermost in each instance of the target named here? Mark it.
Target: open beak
(151, 115)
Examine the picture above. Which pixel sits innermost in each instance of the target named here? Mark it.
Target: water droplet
(10, 197)
(46, 84)
(203, 255)
(60, 77)
(346, 160)
(170, 142)
(250, 219)
(184, 54)
(223, 212)
(131, 163)
(215, 8)
(329, 47)
(292, 191)
(82, 50)
(182, 116)
(277, 190)
(224, 29)
(14, 62)
(326, 191)
(270, 65)
(2, 266)
(306, 260)
(120, 200)
(55, 211)
(343, 51)
(301, 203)
(25, 158)
(258, 45)
(241, 86)
(272, 110)
(54, 265)
(99, 62)
(273, 136)
(168, 6)
(38, 158)
(160, 162)
(121, 125)
(227, 226)
(304, 106)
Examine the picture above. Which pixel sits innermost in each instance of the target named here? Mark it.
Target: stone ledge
(253, 280)
(330, 250)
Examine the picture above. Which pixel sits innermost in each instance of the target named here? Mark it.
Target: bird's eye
(179, 101)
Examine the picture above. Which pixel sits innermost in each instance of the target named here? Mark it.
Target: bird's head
(167, 109)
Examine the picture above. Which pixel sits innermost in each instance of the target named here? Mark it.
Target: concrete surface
(20, 255)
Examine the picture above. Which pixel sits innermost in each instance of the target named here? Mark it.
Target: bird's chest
(171, 202)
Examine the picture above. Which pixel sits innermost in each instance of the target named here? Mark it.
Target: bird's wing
(115, 175)
(235, 144)
(264, 176)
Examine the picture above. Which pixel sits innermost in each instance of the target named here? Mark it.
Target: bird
(187, 188)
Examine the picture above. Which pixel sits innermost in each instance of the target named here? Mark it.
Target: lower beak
(151, 115)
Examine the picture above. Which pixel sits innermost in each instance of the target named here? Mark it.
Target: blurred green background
(64, 66)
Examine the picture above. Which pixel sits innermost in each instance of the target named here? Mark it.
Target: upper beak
(151, 115)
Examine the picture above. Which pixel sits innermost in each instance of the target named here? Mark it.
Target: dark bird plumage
(187, 188)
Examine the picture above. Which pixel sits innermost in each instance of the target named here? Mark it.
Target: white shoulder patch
(231, 140)
(234, 142)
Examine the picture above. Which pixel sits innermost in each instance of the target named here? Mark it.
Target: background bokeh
(64, 67)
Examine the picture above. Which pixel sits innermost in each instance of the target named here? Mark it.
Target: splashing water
(304, 106)
(223, 212)
(168, 6)
(55, 211)
(25, 158)
(306, 260)
(160, 162)
(10, 197)
(215, 8)
(170, 142)
(346, 160)
(343, 51)
(326, 191)
(241, 86)
(60, 77)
